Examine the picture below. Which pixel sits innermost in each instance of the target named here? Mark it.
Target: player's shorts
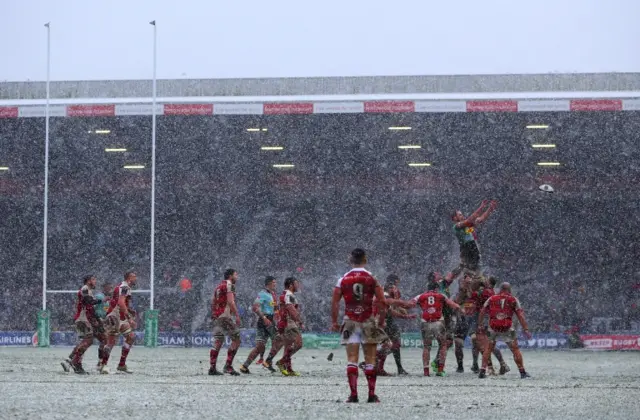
(84, 329)
(264, 333)
(291, 332)
(225, 326)
(432, 331)
(366, 332)
(392, 331)
(470, 256)
(114, 326)
(507, 336)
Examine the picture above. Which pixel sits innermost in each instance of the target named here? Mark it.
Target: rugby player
(120, 320)
(289, 325)
(486, 292)
(358, 288)
(264, 307)
(465, 231)
(432, 303)
(501, 308)
(101, 309)
(392, 330)
(226, 322)
(87, 325)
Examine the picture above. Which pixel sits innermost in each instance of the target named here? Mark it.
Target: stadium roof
(562, 84)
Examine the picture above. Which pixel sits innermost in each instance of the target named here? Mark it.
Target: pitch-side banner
(611, 342)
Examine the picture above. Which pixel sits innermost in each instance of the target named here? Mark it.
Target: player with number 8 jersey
(432, 303)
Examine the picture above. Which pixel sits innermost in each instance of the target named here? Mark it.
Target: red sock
(105, 355)
(371, 374)
(382, 357)
(126, 348)
(352, 376)
(426, 371)
(286, 358)
(213, 357)
(230, 355)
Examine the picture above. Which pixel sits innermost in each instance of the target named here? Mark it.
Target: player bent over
(289, 325)
(358, 288)
(264, 307)
(501, 308)
(432, 303)
(120, 320)
(226, 322)
(87, 324)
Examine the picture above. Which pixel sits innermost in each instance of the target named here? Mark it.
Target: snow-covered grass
(171, 383)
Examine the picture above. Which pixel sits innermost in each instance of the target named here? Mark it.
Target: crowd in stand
(566, 270)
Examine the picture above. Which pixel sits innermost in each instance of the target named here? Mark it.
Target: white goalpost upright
(150, 316)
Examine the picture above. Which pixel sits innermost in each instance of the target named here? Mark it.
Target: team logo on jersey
(358, 310)
(431, 310)
(501, 316)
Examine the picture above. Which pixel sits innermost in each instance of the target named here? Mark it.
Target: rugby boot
(260, 361)
(229, 370)
(482, 374)
(524, 375)
(475, 368)
(214, 372)
(66, 365)
(269, 365)
(244, 369)
(504, 369)
(77, 368)
(282, 368)
(352, 399)
(402, 372)
(123, 368)
(373, 399)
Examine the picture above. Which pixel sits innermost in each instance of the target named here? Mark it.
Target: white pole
(46, 173)
(153, 167)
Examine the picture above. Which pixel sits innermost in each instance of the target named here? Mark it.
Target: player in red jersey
(485, 292)
(120, 320)
(432, 303)
(358, 288)
(226, 322)
(87, 325)
(501, 308)
(289, 325)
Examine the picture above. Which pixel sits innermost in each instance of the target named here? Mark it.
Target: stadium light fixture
(409, 146)
(4, 168)
(264, 129)
(399, 128)
(102, 131)
(283, 165)
(114, 150)
(538, 126)
(272, 148)
(543, 146)
(253, 129)
(548, 163)
(419, 164)
(133, 166)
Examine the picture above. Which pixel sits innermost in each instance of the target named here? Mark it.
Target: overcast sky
(112, 39)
